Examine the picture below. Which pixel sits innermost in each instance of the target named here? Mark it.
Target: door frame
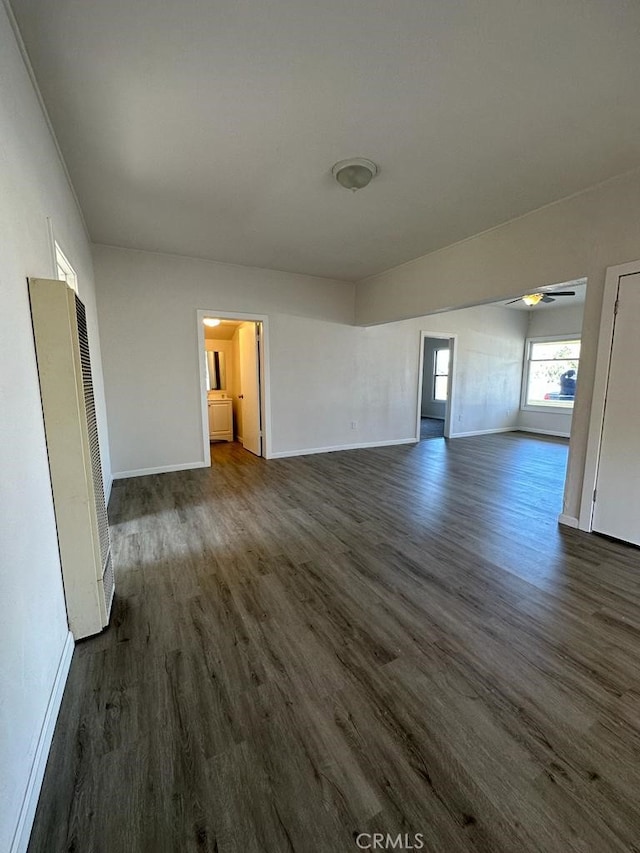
(600, 383)
(452, 340)
(265, 376)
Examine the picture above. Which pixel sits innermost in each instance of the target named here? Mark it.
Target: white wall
(578, 237)
(154, 393)
(325, 373)
(33, 626)
(370, 376)
(562, 320)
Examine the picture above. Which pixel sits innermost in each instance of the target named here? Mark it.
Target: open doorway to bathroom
(234, 381)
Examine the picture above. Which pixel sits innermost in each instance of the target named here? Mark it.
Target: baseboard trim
(283, 454)
(544, 432)
(161, 469)
(36, 776)
(482, 432)
(568, 520)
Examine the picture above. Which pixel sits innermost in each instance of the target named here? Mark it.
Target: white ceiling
(224, 332)
(209, 128)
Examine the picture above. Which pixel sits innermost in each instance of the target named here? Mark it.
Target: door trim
(452, 340)
(600, 383)
(265, 377)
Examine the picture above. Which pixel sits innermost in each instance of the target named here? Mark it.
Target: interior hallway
(398, 640)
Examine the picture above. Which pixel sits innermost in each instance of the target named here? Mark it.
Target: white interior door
(617, 506)
(250, 387)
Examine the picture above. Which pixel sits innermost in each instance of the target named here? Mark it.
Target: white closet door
(617, 506)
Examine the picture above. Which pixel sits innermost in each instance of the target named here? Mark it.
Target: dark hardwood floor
(399, 640)
(431, 428)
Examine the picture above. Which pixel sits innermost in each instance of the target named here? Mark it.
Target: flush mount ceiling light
(354, 174)
(211, 322)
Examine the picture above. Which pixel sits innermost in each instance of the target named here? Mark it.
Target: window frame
(569, 337)
(64, 266)
(435, 375)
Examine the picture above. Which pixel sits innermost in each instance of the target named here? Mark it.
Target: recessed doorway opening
(514, 367)
(435, 385)
(234, 381)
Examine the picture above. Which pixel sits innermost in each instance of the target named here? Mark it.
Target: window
(64, 270)
(441, 375)
(550, 374)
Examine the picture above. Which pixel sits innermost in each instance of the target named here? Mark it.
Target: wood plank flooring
(431, 428)
(399, 640)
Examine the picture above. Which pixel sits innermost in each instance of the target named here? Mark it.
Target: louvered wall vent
(66, 389)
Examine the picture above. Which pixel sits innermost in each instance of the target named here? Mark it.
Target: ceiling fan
(532, 299)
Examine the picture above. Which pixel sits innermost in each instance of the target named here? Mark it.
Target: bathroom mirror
(216, 376)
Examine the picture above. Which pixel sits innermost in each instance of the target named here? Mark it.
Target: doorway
(611, 488)
(234, 381)
(435, 384)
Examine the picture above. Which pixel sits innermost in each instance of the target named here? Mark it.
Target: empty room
(319, 426)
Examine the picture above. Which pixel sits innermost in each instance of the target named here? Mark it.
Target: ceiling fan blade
(547, 299)
(519, 299)
(563, 293)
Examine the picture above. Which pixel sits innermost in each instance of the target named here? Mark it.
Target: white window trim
(554, 410)
(435, 375)
(63, 263)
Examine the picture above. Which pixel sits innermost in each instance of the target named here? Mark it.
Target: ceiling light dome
(211, 322)
(532, 298)
(354, 174)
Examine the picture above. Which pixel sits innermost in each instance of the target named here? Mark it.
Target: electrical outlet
(459, 418)
(354, 424)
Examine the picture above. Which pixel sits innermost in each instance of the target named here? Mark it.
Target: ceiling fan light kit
(354, 174)
(533, 299)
